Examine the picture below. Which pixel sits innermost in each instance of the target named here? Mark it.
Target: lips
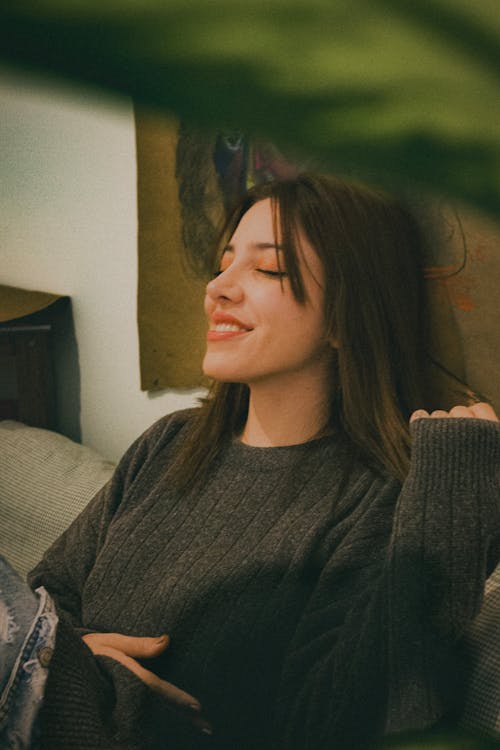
(224, 322)
(224, 326)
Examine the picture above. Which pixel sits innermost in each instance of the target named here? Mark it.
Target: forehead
(259, 232)
(257, 224)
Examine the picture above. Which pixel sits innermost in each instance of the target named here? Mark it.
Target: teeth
(228, 327)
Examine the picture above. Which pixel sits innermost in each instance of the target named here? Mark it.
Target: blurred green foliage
(401, 91)
(394, 90)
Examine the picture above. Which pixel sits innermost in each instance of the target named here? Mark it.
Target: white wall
(68, 224)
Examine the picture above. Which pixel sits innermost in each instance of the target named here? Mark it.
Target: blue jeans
(28, 624)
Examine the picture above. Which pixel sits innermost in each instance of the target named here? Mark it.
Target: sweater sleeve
(79, 701)
(376, 649)
(65, 566)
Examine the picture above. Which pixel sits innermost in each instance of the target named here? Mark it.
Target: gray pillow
(45, 481)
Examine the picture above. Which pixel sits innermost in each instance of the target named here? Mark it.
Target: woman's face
(257, 330)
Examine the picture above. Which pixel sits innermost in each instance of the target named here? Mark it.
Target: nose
(225, 286)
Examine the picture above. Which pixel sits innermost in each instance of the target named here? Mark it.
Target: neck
(286, 413)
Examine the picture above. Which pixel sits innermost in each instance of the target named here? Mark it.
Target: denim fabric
(28, 624)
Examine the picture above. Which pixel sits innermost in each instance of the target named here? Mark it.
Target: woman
(297, 567)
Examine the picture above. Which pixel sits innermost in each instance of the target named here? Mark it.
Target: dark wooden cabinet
(39, 366)
(27, 389)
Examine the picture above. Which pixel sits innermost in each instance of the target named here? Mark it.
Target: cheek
(208, 305)
(308, 320)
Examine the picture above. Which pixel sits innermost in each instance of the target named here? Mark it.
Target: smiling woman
(300, 558)
(342, 330)
(277, 345)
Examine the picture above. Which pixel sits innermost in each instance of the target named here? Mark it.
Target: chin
(216, 370)
(222, 371)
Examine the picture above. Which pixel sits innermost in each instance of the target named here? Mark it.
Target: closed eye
(277, 274)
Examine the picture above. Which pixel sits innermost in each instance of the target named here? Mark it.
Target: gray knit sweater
(307, 608)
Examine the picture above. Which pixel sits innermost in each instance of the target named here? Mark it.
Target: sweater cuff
(78, 698)
(455, 452)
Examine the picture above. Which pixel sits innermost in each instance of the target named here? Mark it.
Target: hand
(476, 411)
(127, 649)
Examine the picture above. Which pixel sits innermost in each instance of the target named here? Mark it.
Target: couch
(46, 479)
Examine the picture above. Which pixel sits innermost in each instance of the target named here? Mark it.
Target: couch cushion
(482, 708)
(46, 479)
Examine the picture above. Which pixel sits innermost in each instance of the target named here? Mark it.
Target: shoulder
(160, 436)
(167, 427)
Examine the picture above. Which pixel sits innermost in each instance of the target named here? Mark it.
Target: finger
(419, 414)
(141, 647)
(461, 411)
(439, 414)
(174, 695)
(178, 699)
(484, 411)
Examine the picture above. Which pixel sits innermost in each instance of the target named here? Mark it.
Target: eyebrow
(256, 246)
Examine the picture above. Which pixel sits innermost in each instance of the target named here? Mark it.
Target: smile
(228, 327)
(223, 331)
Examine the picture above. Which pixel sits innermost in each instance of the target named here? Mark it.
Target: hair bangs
(286, 232)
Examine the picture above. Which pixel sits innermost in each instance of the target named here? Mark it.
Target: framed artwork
(187, 181)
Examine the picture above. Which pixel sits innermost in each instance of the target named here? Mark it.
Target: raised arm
(375, 651)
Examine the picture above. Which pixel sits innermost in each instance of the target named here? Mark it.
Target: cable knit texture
(307, 608)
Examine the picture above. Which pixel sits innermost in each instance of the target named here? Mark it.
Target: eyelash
(275, 274)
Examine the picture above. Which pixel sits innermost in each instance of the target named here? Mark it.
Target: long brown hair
(371, 248)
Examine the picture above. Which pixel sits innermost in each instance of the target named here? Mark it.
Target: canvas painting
(187, 182)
